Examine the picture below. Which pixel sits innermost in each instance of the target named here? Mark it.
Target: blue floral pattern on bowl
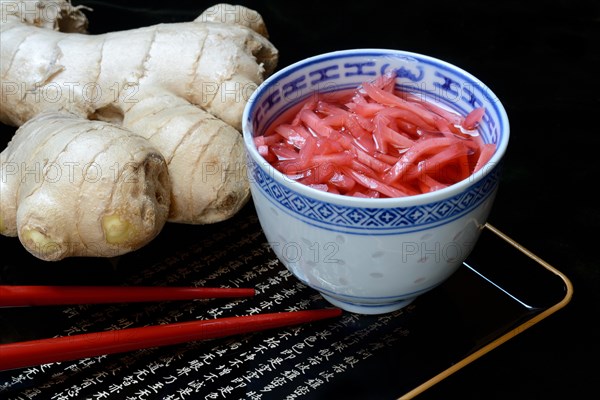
(375, 221)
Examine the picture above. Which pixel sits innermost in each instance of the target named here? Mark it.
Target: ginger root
(172, 96)
(125, 181)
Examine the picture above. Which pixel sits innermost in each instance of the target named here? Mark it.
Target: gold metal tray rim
(508, 335)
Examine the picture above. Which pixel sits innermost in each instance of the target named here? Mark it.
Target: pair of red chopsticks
(42, 351)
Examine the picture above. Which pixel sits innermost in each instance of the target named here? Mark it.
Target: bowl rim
(351, 201)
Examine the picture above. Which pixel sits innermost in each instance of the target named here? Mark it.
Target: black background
(542, 60)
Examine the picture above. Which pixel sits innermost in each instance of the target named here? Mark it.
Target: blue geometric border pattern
(343, 218)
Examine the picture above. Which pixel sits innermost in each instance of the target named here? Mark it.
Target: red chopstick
(16, 296)
(42, 351)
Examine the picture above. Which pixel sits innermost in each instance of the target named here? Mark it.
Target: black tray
(501, 290)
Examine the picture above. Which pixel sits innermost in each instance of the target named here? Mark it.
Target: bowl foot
(365, 308)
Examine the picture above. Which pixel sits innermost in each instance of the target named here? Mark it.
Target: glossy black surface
(542, 60)
(478, 304)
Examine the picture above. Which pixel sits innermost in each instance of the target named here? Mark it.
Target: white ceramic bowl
(372, 256)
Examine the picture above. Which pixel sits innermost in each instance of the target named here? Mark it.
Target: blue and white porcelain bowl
(372, 256)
